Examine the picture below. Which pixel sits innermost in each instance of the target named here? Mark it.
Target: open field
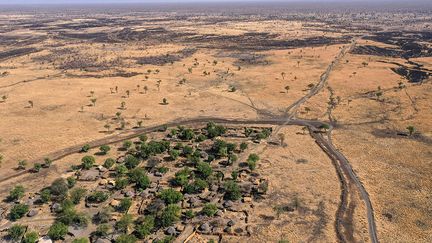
(335, 105)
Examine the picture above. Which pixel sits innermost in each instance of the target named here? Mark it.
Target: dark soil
(17, 52)
(168, 58)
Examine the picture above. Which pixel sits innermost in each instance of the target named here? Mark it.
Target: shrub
(59, 188)
(71, 181)
(104, 149)
(174, 154)
(121, 170)
(144, 226)
(18, 211)
(121, 183)
(97, 197)
(124, 205)
(243, 146)
(77, 194)
(37, 167)
(45, 195)
(143, 138)
(109, 163)
(169, 215)
(171, 196)
(252, 160)
(204, 169)
(47, 163)
(182, 177)
(196, 187)
(16, 232)
(87, 162)
(127, 144)
(209, 209)
(163, 170)
(124, 223)
(85, 148)
(201, 138)
(187, 150)
(57, 231)
(102, 230)
(189, 214)
(131, 161)
(80, 240)
(124, 238)
(16, 193)
(232, 190)
(234, 175)
(186, 134)
(69, 216)
(214, 130)
(31, 237)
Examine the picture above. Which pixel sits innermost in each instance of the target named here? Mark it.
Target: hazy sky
(2, 2)
(178, 1)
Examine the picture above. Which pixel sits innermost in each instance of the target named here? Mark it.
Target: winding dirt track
(344, 169)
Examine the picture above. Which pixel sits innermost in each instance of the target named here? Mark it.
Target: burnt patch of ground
(415, 74)
(17, 52)
(389, 133)
(168, 58)
(120, 73)
(261, 42)
(408, 45)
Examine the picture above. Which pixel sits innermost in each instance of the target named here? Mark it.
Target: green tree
(204, 169)
(143, 138)
(232, 191)
(71, 181)
(121, 183)
(104, 149)
(124, 238)
(85, 148)
(124, 205)
(124, 223)
(18, 211)
(97, 197)
(59, 189)
(209, 209)
(127, 144)
(243, 146)
(109, 163)
(174, 154)
(31, 237)
(16, 193)
(171, 196)
(16, 232)
(57, 231)
(102, 230)
(87, 162)
(131, 161)
(411, 130)
(45, 195)
(252, 160)
(77, 194)
(121, 170)
(169, 215)
(37, 167)
(144, 226)
(81, 240)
